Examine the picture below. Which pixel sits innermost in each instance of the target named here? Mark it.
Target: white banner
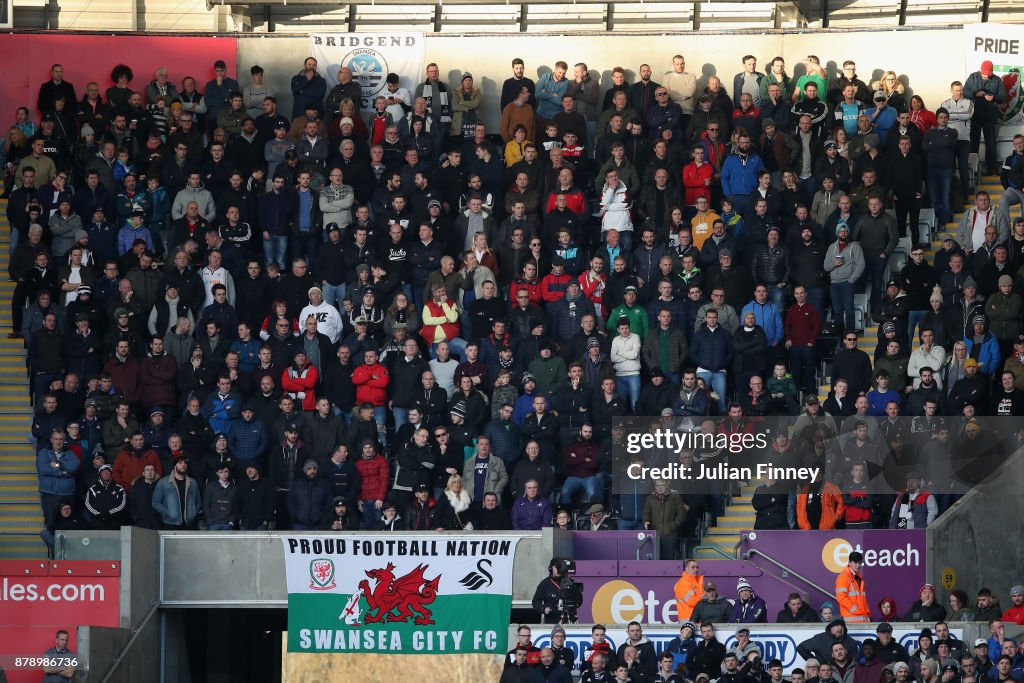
(1003, 45)
(398, 593)
(371, 56)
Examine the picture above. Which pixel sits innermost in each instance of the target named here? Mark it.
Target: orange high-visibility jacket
(689, 591)
(852, 597)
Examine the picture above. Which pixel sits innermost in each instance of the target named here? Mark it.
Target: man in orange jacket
(689, 590)
(850, 592)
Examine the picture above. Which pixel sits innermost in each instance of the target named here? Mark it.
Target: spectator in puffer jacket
(249, 440)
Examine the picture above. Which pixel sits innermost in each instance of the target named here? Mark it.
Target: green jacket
(550, 373)
(637, 315)
(677, 350)
(1004, 315)
(665, 515)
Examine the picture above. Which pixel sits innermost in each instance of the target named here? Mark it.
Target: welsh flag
(398, 594)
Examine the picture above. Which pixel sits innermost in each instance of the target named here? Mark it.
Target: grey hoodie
(852, 266)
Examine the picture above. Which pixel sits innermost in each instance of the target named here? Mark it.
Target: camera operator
(546, 597)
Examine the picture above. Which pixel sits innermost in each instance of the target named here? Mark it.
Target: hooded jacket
(820, 646)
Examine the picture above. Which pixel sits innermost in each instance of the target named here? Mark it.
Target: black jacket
(255, 502)
(706, 658)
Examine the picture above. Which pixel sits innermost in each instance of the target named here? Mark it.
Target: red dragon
(407, 594)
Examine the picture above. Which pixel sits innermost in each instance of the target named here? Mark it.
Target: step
(728, 525)
(18, 549)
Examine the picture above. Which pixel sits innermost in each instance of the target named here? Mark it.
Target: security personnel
(850, 592)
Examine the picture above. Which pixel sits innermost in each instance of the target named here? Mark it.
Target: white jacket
(934, 359)
(625, 354)
(328, 320)
(615, 208)
(960, 113)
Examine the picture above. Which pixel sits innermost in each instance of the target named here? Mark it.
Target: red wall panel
(26, 61)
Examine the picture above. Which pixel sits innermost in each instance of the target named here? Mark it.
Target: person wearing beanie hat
(309, 500)
(982, 345)
(748, 608)
(1002, 305)
(844, 262)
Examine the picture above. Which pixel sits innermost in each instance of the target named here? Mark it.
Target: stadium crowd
(382, 314)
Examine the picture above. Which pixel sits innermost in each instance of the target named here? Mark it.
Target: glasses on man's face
(534, 244)
(713, 130)
(524, 297)
(851, 340)
(661, 94)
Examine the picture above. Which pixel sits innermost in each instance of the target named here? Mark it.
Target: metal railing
(753, 551)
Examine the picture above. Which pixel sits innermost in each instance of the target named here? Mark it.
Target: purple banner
(618, 591)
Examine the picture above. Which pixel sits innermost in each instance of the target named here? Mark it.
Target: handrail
(715, 548)
(755, 551)
(131, 641)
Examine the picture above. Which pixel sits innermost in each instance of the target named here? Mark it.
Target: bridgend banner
(371, 56)
(400, 594)
(775, 641)
(1003, 45)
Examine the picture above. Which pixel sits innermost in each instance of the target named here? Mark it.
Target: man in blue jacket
(767, 315)
(57, 469)
(739, 175)
(711, 349)
(169, 493)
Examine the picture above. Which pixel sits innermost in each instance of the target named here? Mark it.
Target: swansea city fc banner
(399, 594)
(371, 56)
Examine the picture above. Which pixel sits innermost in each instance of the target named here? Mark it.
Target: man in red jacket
(1016, 612)
(371, 382)
(802, 327)
(300, 380)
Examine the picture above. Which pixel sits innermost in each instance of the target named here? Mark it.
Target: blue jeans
(228, 527)
(778, 296)
(876, 266)
(14, 238)
(401, 416)
(716, 380)
(629, 387)
(915, 320)
(371, 515)
(842, 304)
(742, 205)
(816, 298)
(808, 186)
(333, 294)
(380, 416)
(803, 360)
(274, 250)
(988, 128)
(572, 485)
(626, 241)
(304, 245)
(938, 189)
(963, 160)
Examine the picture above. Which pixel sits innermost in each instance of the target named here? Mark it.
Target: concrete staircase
(721, 538)
(21, 518)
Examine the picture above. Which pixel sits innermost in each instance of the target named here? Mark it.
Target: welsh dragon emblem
(399, 599)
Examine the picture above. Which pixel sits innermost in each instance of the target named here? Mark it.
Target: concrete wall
(247, 569)
(971, 546)
(99, 647)
(489, 57)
